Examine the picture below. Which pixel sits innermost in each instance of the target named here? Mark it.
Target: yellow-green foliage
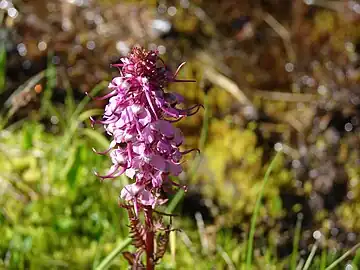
(233, 164)
(232, 172)
(349, 211)
(53, 212)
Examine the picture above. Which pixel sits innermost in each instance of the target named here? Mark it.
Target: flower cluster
(139, 116)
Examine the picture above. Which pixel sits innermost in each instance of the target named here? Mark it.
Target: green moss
(234, 169)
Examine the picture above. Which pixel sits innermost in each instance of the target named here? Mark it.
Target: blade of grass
(356, 260)
(4, 120)
(175, 201)
(294, 255)
(343, 257)
(53, 111)
(270, 251)
(108, 259)
(97, 254)
(311, 256)
(86, 115)
(173, 247)
(205, 124)
(243, 254)
(96, 137)
(2, 67)
(47, 108)
(73, 125)
(226, 257)
(87, 99)
(323, 259)
(51, 77)
(69, 99)
(256, 213)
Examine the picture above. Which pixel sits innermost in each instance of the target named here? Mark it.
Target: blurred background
(273, 75)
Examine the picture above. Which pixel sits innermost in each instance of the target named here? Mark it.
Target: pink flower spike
(139, 117)
(145, 145)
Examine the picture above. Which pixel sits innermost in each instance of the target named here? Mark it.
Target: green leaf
(85, 115)
(27, 141)
(50, 75)
(276, 206)
(86, 99)
(74, 162)
(72, 175)
(109, 259)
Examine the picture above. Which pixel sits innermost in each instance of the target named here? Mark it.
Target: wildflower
(145, 145)
(139, 118)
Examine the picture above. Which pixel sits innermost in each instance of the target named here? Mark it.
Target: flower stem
(105, 263)
(149, 240)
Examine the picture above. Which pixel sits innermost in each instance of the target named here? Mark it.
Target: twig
(301, 264)
(188, 243)
(201, 228)
(26, 87)
(288, 97)
(311, 256)
(227, 84)
(283, 33)
(226, 257)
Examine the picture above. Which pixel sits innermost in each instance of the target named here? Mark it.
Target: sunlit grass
(56, 214)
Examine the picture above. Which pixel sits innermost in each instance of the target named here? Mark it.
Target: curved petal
(158, 162)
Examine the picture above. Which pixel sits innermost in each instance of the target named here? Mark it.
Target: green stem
(175, 201)
(256, 213)
(108, 260)
(294, 256)
(311, 256)
(343, 257)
